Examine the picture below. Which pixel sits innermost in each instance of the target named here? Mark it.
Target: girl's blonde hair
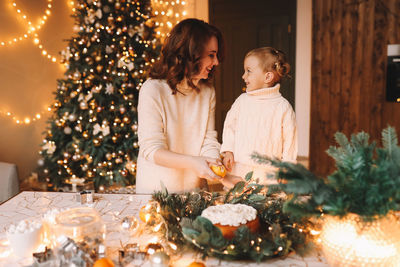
(271, 59)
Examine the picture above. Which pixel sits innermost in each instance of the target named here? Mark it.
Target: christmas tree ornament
(153, 248)
(72, 117)
(159, 259)
(94, 87)
(83, 105)
(96, 141)
(129, 223)
(67, 130)
(106, 9)
(99, 68)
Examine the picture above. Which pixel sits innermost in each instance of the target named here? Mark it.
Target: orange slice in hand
(219, 170)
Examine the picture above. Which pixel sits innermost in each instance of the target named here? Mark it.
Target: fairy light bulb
(167, 15)
(29, 26)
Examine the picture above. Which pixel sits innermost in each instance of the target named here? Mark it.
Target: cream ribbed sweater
(180, 123)
(260, 121)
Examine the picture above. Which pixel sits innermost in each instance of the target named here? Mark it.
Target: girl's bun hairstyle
(271, 59)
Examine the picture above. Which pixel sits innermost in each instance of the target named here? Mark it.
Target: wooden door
(246, 25)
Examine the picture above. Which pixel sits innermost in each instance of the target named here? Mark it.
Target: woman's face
(208, 60)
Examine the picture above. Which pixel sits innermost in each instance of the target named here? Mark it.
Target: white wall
(199, 9)
(303, 73)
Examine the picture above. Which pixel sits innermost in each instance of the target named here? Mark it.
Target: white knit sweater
(181, 123)
(260, 121)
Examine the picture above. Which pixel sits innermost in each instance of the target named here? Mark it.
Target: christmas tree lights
(92, 133)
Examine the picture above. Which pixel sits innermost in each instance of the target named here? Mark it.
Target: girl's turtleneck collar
(266, 92)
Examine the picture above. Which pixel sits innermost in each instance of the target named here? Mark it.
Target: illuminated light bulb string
(168, 14)
(30, 27)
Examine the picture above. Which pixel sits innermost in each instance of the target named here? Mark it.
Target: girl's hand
(228, 160)
(201, 166)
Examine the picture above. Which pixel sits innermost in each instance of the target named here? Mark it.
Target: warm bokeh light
(352, 242)
(169, 13)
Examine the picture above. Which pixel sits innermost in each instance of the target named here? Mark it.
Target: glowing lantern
(349, 241)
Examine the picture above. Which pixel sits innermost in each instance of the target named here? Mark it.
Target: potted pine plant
(357, 203)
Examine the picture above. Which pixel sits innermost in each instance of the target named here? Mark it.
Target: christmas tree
(92, 134)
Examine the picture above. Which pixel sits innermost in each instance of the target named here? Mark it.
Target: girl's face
(253, 76)
(208, 60)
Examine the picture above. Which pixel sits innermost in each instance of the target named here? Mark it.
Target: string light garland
(176, 219)
(31, 28)
(167, 14)
(28, 119)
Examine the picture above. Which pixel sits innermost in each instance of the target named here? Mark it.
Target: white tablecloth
(112, 208)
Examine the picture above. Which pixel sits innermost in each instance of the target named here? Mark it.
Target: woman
(176, 110)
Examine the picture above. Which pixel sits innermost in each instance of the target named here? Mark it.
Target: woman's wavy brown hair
(182, 51)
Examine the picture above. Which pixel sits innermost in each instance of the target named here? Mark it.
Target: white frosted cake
(229, 217)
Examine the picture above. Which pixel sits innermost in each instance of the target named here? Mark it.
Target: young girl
(177, 138)
(260, 120)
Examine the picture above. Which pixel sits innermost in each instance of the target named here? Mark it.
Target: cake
(229, 217)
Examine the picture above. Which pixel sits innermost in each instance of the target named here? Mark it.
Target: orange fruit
(219, 170)
(196, 264)
(103, 262)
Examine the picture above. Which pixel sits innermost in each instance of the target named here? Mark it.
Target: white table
(112, 208)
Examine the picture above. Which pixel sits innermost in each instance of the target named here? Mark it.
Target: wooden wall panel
(350, 39)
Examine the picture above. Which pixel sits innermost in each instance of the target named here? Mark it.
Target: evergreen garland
(366, 181)
(279, 234)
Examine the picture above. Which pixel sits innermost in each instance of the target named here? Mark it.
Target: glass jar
(82, 224)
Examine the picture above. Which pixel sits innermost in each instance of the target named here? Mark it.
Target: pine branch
(365, 182)
(389, 140)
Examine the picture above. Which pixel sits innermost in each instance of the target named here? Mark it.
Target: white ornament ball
(40, 162)
(67, 130)
(159, 259)
(83, 105)
(72, 117)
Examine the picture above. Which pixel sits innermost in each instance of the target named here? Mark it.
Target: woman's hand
(201, 166)
(228, 160)
(230, 180)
